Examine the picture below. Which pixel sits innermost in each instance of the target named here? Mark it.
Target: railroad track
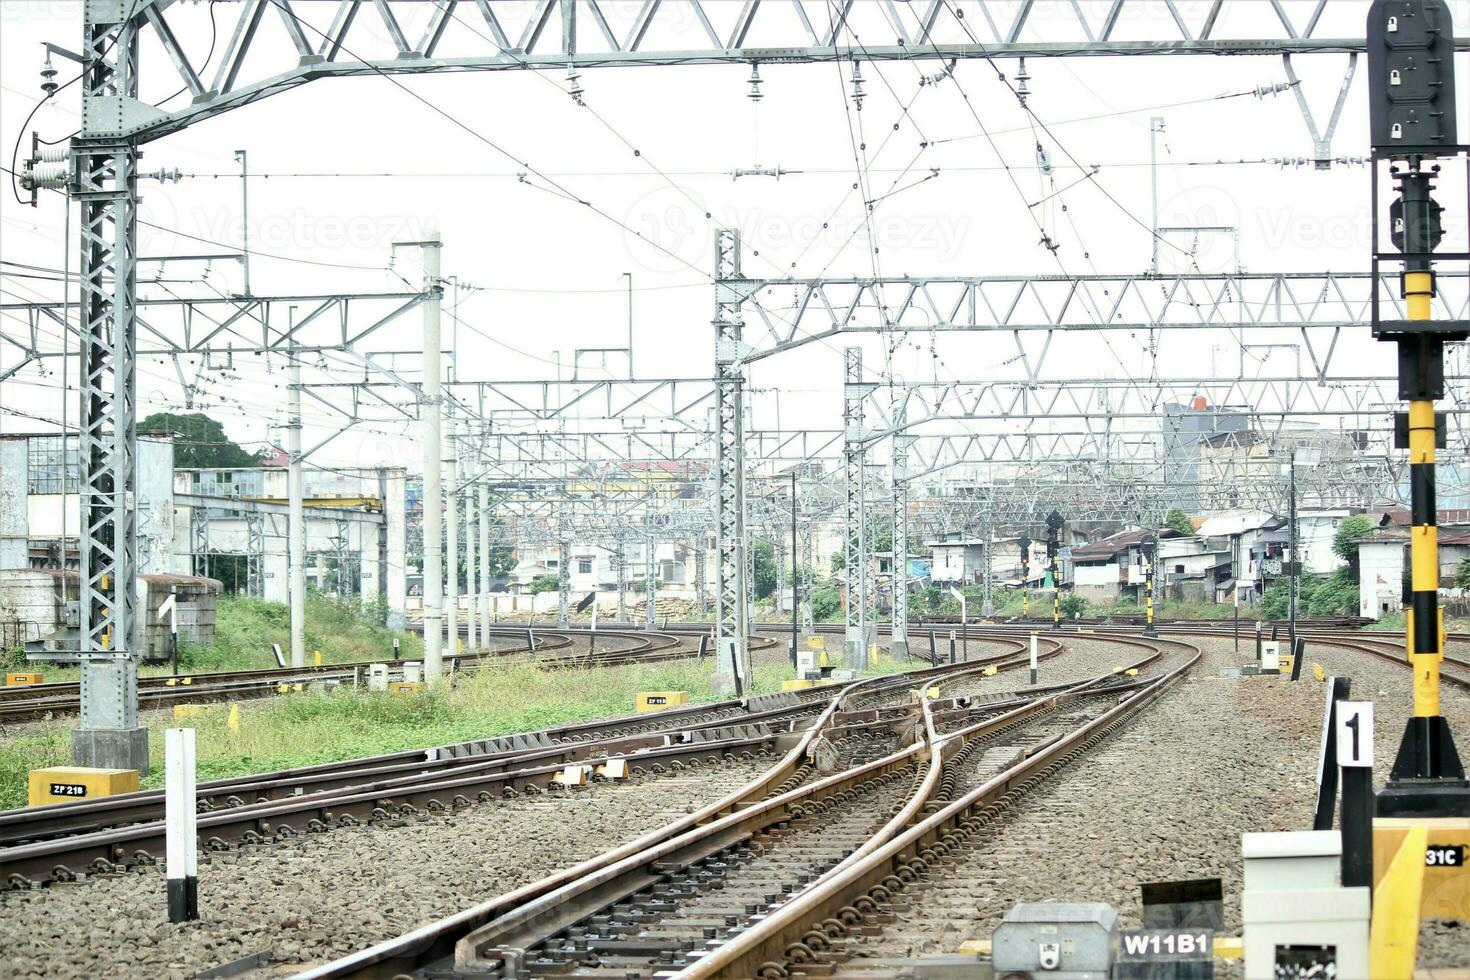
(58, 842)
(805, 852)
(1454, 670)
(561, 648)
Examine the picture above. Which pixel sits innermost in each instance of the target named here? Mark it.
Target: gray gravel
(1166, 798)
(319, 897)
(1083, 658)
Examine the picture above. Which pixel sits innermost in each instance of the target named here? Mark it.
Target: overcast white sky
(549, 271)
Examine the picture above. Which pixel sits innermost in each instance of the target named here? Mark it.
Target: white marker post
(964, 637)
(180, 818)
(169, 607)
(1033, 660)
(1354, 738)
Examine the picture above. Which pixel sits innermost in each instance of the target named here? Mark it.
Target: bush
(544, 583)
(1320, 595)
(826, 604)
(1073, 605)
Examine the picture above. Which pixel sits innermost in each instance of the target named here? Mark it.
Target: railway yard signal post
(1412, 120)
(1054, 524)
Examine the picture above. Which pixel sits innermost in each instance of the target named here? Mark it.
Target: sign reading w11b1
(1189, 953)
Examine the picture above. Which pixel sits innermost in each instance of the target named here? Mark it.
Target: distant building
(1184, 428)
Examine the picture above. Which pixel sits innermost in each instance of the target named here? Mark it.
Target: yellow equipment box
(1446, 861)
(19, 680)
(65, 784)
(660, 700)
(405, 687)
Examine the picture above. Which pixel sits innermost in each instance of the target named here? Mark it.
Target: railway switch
(67, 784)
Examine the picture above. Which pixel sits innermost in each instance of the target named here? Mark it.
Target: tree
(544, 583)
(1345, 541)
(880, 539)
(1462, 573)
(1177, 520)
(201, 441)
(765, 569)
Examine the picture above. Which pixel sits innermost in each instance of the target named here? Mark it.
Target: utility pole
(1025, 544)
(1150, 560)
(484, 512)
(1294, 568)
(650, 585)
(1054, 524)
(433, 433)
(241, 159)
(732, 620)
(451, 541)
(471, 596)
(855, 557)
(987, 606)
(795, 575)
(1412, 122)
(898, 640)
(1155, 127)
(296, 510)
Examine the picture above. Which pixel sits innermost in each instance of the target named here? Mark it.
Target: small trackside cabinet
(1066, 940)
(1297, 916)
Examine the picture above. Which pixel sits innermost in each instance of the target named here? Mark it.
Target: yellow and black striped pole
(1148, 586)
(1423, 627)
(1427, 778)
(1056, 591)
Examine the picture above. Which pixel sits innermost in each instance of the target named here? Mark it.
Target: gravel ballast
(319, 897)
(1166, 798)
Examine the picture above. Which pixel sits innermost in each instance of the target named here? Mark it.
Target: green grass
(1392, 622)
(343, 630)
(308, 728)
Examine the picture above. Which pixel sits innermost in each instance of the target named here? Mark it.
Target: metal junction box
(1066, 940)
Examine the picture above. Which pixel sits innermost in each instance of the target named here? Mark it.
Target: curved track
(58, 841)
(774, 865)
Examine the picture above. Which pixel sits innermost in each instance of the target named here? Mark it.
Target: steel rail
(32, 702)
(844, 898)
(435, 941)
(96, 837)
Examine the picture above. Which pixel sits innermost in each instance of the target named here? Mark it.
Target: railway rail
(57, 842)
(752, 879)
(35, 701)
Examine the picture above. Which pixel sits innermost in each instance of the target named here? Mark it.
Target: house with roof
(1114, 567)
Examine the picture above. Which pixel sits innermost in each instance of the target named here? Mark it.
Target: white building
(1381, 573)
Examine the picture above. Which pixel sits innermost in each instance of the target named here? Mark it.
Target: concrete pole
(470, 564)
(650, 585)
(296, 512)
(484, 508)
(451, 543)
(433, 482)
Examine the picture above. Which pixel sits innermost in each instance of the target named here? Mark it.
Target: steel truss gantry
(455, 36)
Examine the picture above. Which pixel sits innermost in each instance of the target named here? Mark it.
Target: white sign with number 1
(1355, 734)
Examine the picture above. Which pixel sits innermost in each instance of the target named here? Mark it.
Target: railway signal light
(1410, 45)
(1411, 73)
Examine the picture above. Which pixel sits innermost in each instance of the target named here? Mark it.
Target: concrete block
(111, 748)
(66, 784)
(647, 701)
